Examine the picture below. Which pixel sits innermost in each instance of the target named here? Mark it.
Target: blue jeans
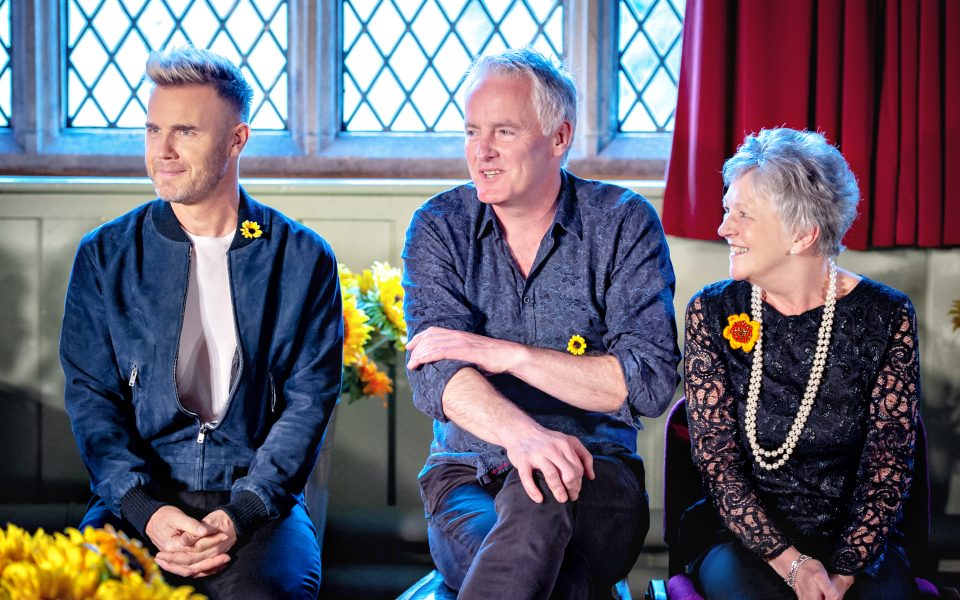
(279, 560)
(492, 541)
(729, 571)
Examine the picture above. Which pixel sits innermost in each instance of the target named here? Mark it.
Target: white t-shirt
(208, 340)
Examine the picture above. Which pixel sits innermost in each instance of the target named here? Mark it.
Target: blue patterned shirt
(602, 271)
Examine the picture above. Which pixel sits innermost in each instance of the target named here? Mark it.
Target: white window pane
(108, 43)
(402, 67)
(650, 34)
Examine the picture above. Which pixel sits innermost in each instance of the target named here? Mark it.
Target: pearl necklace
(813, 384)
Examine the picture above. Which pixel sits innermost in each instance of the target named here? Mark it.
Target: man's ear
(238, 138)
(562, 138)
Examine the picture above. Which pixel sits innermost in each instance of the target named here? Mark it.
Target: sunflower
(741, 332)
(391, 295)
(374, 329)
(250, 229)
(348, 280)
(356, 332)
(366, 281)
(577, 345)
(124, 555)
(98, 563)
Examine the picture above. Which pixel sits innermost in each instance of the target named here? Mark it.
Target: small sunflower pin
(742, 332)
(250, 229)
(577, 345)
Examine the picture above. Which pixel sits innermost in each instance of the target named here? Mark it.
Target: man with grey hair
(202, 346)
(541, 312)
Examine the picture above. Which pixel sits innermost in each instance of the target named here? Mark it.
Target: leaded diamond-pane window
(649, 44)
(108, 42)
(403, 60)
(6, 66)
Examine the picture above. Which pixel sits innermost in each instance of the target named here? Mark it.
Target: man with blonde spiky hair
(202, 346)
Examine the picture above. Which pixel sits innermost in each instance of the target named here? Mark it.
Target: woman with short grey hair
(802, 384)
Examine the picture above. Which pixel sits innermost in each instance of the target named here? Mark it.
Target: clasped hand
(814, 583)
(188, 547)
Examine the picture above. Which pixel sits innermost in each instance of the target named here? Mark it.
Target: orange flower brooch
(741, 332)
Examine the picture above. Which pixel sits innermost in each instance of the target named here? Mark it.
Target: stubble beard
(197, 189)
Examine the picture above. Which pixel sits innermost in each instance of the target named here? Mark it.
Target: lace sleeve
(713, 434)
(886, 466)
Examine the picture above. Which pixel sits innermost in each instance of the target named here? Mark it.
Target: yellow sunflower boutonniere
(577, 345)
(742, 332)
(250, 229)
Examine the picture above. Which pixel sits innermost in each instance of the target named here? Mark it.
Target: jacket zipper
(207, 427)
(132, 382)
(273, 394)
(176, 356)
(236, 334)
(202, 434)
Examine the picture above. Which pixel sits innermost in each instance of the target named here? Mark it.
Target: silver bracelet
(794, 567)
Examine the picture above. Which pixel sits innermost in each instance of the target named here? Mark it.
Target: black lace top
(841, 491)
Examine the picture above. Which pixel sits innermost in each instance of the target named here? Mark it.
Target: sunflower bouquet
(374, 329)
(102, 564)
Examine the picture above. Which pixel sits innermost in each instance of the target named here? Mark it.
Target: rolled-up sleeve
(640, 320)
(434, 297)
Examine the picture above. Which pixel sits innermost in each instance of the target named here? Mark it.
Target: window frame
(313, 145)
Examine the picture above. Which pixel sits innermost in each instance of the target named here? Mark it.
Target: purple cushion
(679, 587)
(927, 589)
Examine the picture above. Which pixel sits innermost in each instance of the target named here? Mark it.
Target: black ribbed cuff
(246, 510)
(137, 506)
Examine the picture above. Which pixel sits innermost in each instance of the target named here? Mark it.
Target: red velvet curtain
(879, 78)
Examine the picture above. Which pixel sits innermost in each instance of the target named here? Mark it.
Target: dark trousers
(491, 541)
(279, 560)
(730, 571)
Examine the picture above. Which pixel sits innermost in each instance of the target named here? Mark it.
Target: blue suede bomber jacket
(121, 330)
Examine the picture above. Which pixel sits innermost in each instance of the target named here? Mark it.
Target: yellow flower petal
(356, 332)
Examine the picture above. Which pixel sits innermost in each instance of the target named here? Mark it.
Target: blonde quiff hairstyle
(193, 66)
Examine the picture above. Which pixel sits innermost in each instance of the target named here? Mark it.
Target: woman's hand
(812, 580)
(814, 583)
(842, 582)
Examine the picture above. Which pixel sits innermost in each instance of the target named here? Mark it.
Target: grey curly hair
(807, 180)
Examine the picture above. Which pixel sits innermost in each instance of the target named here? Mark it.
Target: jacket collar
(169, 227)
(567, 216)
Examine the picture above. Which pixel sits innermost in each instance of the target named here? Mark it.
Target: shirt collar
(567, 216)
(568, 210)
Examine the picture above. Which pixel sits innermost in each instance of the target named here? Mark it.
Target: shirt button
(526, 300)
